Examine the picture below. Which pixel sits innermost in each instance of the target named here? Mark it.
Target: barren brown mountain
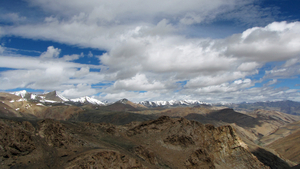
(161, 143)
(288, 146)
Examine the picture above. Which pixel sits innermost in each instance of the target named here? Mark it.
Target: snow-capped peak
(21, 93)
(124, 101)
(87, 99)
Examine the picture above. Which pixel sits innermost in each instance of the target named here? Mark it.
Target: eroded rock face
(104, 159)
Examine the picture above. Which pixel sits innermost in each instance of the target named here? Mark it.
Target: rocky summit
(162, 143)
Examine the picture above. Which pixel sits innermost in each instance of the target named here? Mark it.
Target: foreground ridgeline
(161, 143)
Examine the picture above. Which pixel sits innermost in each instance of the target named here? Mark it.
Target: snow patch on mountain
(62, 97)
(33, 96)
(21, 100)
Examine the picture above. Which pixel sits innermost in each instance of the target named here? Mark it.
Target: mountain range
(287, 106)
(85, 132)
(54, 97)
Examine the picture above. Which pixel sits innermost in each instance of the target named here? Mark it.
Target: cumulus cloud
(51, 53)
(277, 41)
(54, 73)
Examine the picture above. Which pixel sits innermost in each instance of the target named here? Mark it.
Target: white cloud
(138, 83)
(205, 81)
(191, 18)
(79, 91)
(143, 61)
(248, 66)
(90, 54)
(72, 57)
(1, 49)
(249, 13)
(271, 82)
(226, 87)
(277, 41)
(291, 62)
(12, 17)
(117, 11)
(283, 72)
(83, 71)
(52, 73)
(51, 53)
(132, 96)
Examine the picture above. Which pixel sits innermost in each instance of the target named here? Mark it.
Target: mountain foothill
(50, 131)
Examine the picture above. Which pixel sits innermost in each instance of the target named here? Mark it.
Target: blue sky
(213, 51)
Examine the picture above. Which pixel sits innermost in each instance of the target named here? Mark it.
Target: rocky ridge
(161, 143)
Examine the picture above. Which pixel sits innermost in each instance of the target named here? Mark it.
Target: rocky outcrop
(200, 145)
(145, 154)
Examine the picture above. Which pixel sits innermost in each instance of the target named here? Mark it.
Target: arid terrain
(130, 135)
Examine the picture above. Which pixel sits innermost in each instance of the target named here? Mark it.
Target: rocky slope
(161, 143)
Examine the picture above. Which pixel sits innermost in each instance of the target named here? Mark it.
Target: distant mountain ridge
(286, 106)
(172, 103)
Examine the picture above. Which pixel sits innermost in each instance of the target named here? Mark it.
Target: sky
(213, 51)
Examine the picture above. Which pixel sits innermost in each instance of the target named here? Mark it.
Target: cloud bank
(149, 53)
